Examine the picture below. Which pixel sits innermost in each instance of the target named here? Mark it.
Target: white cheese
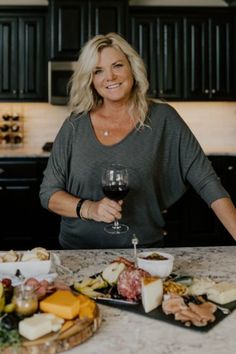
(151, 292)
(39, 325)
(222, 293)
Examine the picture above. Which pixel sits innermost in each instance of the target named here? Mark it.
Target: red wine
(115, 192)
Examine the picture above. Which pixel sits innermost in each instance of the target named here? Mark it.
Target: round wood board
(53, 343)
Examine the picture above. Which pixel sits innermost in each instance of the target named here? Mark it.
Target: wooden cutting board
(75, 332)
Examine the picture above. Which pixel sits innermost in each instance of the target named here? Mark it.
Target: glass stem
(116, 225)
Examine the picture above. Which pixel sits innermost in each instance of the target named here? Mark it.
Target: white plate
(27, 269)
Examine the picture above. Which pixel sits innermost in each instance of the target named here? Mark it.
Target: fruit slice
(112, 271)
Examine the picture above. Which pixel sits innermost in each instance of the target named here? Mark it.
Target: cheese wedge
(222, 293)
(62, 303)
(151, 292)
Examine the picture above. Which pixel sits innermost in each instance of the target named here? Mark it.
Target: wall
(213, 123)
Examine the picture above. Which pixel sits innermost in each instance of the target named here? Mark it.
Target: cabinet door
(169, 68)
(108, 16)
(196, 57)
(18, 209)
(69, 28)
(208, 53)
(32, 58)
(142, 38)
(221, 68)
(8, 57)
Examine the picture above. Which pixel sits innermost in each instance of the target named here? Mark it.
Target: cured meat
(197, 314)
(125, 261)
(129, 283)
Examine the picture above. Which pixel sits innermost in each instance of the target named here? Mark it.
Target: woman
(113, 121)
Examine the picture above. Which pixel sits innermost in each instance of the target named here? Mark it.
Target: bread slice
(152, 293)
(222, 293)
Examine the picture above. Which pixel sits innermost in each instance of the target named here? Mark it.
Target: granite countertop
(127, 333)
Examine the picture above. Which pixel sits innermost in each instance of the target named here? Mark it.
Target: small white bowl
(160, 268)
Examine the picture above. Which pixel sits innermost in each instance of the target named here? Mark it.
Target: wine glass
(115, 186)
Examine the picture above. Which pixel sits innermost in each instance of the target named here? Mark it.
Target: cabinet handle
(21, 91)
(1, 171)
(164, 233)
(206, 91)
(161, 92)
(1, 188)
(14, 92)
(230, 168)
(213, 91)
(18, 187)
(165, 211)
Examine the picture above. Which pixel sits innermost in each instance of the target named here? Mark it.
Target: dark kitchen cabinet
(108, 16)
(208, 57)
(73, 22)
(189, 52)
(23, 55)
(68, 28)
(157, 38)
(24, 224)
(190, 222)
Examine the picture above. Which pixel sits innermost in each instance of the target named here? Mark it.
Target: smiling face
(112, 76)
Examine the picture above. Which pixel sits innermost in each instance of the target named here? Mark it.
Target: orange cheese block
(87, 307)
(61, 303)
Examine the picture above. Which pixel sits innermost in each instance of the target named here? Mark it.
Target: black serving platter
(113, 299)
(158, 314)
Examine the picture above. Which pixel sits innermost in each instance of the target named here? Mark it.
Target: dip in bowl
(156, 263)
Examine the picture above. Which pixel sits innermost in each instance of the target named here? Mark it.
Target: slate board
(158, 314)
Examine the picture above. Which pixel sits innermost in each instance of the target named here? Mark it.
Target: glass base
(115, 229)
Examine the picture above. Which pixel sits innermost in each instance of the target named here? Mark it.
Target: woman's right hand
(105, 210)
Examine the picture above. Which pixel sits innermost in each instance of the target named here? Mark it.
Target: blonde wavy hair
(83, 96)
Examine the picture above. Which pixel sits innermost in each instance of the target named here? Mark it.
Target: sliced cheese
(61, 303)
(152, 293)
(87, 307)
(222, 293)
(39, 325)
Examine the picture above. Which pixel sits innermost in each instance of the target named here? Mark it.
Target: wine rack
(11, 130)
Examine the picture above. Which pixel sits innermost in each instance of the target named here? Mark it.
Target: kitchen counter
(22, 151)
(127, 333)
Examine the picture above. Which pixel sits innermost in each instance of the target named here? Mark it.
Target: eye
(118, 65)
(97, 71)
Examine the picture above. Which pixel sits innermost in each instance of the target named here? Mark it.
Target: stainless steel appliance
(59, 74)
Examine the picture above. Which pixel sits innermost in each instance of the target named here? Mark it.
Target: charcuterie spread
(183, 300)
(53, 316)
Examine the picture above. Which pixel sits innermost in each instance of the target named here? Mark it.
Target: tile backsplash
(213, 123)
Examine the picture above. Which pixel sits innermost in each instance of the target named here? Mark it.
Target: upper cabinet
(208, 57)
(157, 38)
(73, 22)
(23, 55)
(68, 27)
(189, 53)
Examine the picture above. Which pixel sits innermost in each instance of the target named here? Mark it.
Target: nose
(110, 74)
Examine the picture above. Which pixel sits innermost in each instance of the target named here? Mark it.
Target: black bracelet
(79, 205)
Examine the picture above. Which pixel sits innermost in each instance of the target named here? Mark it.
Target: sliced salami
(129, 283)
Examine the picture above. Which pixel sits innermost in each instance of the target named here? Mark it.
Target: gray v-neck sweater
(163, 159)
